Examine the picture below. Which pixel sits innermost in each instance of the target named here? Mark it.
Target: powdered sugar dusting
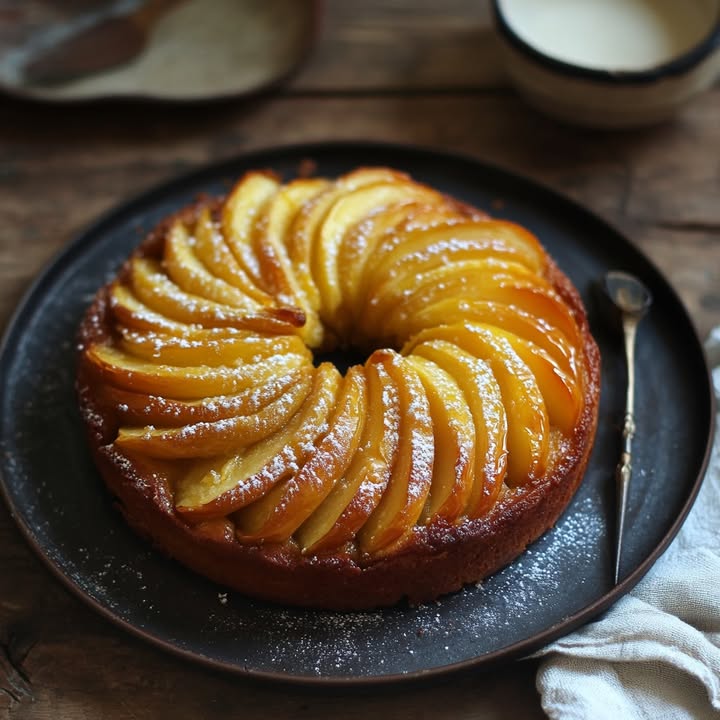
(540, 574)
(502, 610)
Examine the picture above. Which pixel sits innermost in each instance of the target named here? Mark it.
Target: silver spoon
(633, 300)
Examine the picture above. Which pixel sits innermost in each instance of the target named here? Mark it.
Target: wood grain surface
(412, 71)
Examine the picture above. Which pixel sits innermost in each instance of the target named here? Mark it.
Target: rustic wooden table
(411, 71)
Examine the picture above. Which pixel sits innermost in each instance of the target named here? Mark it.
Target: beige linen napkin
(656, 653)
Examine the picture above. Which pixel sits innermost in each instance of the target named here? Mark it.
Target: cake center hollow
(343, 358)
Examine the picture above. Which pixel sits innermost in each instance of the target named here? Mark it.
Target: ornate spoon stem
(633, 299)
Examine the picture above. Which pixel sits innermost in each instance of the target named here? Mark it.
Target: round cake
(230, 439)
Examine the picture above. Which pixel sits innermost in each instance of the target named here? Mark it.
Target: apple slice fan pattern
(230, 444)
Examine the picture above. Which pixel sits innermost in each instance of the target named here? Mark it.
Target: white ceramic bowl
(609, 63)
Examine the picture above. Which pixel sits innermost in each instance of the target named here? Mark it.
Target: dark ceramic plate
(562, 581)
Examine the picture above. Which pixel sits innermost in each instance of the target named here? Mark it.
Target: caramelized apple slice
(130, 311)
(355, 495)
(158, 292)
(269, 235)
(390, 308)
(347, 211)
(185, 383)
(527, 421)
(143, 409)
(446, 280)
(529, 294)
(454, 430)
(306, 228)
(268, 239)
(227, 484)
(188, 273)
(563, 399)
(243, 206)
(484, 400)
(208, 439)
(534, 298)
(173, 350)
(406, 492)
(215, 254)
(380, 233)
(456, 309)
(276, 516)
(359, 244)
(421, 250)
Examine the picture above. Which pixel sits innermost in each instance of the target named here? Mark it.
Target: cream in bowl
(610, 63)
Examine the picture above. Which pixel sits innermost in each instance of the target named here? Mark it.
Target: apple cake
(231, 441)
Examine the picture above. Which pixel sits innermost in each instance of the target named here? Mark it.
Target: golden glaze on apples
(458, 441)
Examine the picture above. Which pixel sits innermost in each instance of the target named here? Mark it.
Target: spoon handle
(623, 472)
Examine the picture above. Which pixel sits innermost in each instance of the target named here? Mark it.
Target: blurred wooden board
(194, 52)
(401, 45)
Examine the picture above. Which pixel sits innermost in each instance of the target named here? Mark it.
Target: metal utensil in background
(88, 44)
(633, 299)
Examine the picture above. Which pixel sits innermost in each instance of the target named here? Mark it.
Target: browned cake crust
(440, 557)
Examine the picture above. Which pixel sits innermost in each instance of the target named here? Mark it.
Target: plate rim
(64, 258)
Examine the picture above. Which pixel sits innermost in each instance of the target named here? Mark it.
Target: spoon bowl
(627, 293)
